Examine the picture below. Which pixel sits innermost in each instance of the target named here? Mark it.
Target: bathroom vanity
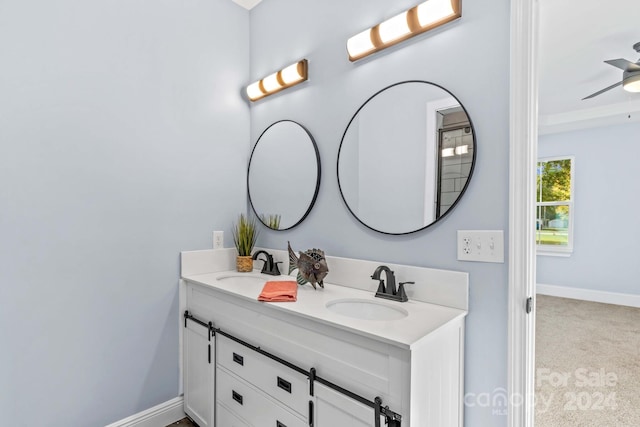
(337, 356)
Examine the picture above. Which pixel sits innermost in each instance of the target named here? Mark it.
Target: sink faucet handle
(402, 295)
(276, 270)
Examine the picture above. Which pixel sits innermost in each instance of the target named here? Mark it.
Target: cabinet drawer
(276, 380)
(251, 404)
(225, 418)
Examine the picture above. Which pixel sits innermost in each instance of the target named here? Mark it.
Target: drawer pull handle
(285, 385)
(279, 424)
(238, 359)
(236, 396)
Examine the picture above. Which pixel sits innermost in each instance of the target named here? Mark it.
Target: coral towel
(279, 291)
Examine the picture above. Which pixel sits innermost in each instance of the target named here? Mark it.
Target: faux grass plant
(272, 221)
(245, 234)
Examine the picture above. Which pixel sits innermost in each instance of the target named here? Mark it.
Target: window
(554, 205)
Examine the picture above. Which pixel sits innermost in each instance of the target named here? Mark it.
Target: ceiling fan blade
(623, 64)
(603, 90)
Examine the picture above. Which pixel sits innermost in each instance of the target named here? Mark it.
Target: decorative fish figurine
(312, 266)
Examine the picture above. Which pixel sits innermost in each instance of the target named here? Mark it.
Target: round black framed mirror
(283, 177)
(406, 157)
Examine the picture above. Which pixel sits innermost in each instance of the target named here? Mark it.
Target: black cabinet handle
(238, 359)
(285, 385)
(311, 413)
(236, 396)
(279, 424)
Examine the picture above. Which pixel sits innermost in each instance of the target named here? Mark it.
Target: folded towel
(279, 291)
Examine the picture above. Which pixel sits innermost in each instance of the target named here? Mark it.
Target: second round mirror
(406, 157)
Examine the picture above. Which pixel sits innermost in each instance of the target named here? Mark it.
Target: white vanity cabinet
(199, 373)
(302, 363)
(422, 383)
(332, 409)
(259, 390)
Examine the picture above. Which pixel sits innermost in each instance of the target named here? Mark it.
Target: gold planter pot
(244, 264)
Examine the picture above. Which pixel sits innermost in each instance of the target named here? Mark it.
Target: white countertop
(422, 319)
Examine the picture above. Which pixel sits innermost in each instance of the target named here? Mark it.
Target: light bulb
(291, 74)
(448, 152)
(394, 28)
(360, 43)
(271, 83)
(434, 10)
(632, 83)
(463, 149)
(254, 92)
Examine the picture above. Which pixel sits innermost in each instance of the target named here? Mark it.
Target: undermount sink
(242, 279)
(366, 309)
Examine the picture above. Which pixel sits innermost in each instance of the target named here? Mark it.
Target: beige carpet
(587, 364)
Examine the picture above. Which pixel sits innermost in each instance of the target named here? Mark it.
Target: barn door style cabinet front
(248, 363)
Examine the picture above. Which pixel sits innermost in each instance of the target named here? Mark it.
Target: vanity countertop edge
(423, 318)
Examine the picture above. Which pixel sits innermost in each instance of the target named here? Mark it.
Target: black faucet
(269, 267)
(389, 291)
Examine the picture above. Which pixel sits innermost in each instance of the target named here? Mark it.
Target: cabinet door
(226, 418)
(333, 409)
(199, 374)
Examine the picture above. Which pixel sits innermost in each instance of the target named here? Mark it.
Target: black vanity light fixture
(417, 20)
(287, 77)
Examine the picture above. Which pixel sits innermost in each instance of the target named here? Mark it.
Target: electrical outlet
(218, 239)
(481, 245)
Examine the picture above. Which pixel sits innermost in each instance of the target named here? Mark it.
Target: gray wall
(123, 140)
(471, 59)
(606, 209)
(392, 155)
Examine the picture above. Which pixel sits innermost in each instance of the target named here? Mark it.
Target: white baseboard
(158, 416)
(629, 300)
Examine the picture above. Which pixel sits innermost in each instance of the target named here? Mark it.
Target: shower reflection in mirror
(455, 146)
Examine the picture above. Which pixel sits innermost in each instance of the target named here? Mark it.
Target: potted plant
(245, 234)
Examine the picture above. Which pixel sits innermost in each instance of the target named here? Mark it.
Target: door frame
(523, 145)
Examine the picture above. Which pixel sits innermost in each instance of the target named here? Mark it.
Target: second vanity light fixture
(287, 77)
(423, 17)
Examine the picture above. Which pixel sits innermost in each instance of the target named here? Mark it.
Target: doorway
(522, 252)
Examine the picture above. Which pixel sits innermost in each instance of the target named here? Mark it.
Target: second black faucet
(389, 291)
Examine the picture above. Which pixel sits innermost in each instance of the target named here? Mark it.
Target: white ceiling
(247, 4)
(576, 36)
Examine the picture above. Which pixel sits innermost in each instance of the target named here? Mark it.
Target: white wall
(605, 209)
(123, 140)
(471, 59)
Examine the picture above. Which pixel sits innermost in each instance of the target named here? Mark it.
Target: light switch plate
(481, 245)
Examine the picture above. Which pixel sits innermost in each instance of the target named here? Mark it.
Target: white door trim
(523, 129)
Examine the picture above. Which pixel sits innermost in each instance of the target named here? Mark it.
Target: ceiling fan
(630, 75)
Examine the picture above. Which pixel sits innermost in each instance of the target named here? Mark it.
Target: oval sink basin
(242, 279)
(366, 309)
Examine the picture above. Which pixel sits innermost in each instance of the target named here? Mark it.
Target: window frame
(558, 250)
